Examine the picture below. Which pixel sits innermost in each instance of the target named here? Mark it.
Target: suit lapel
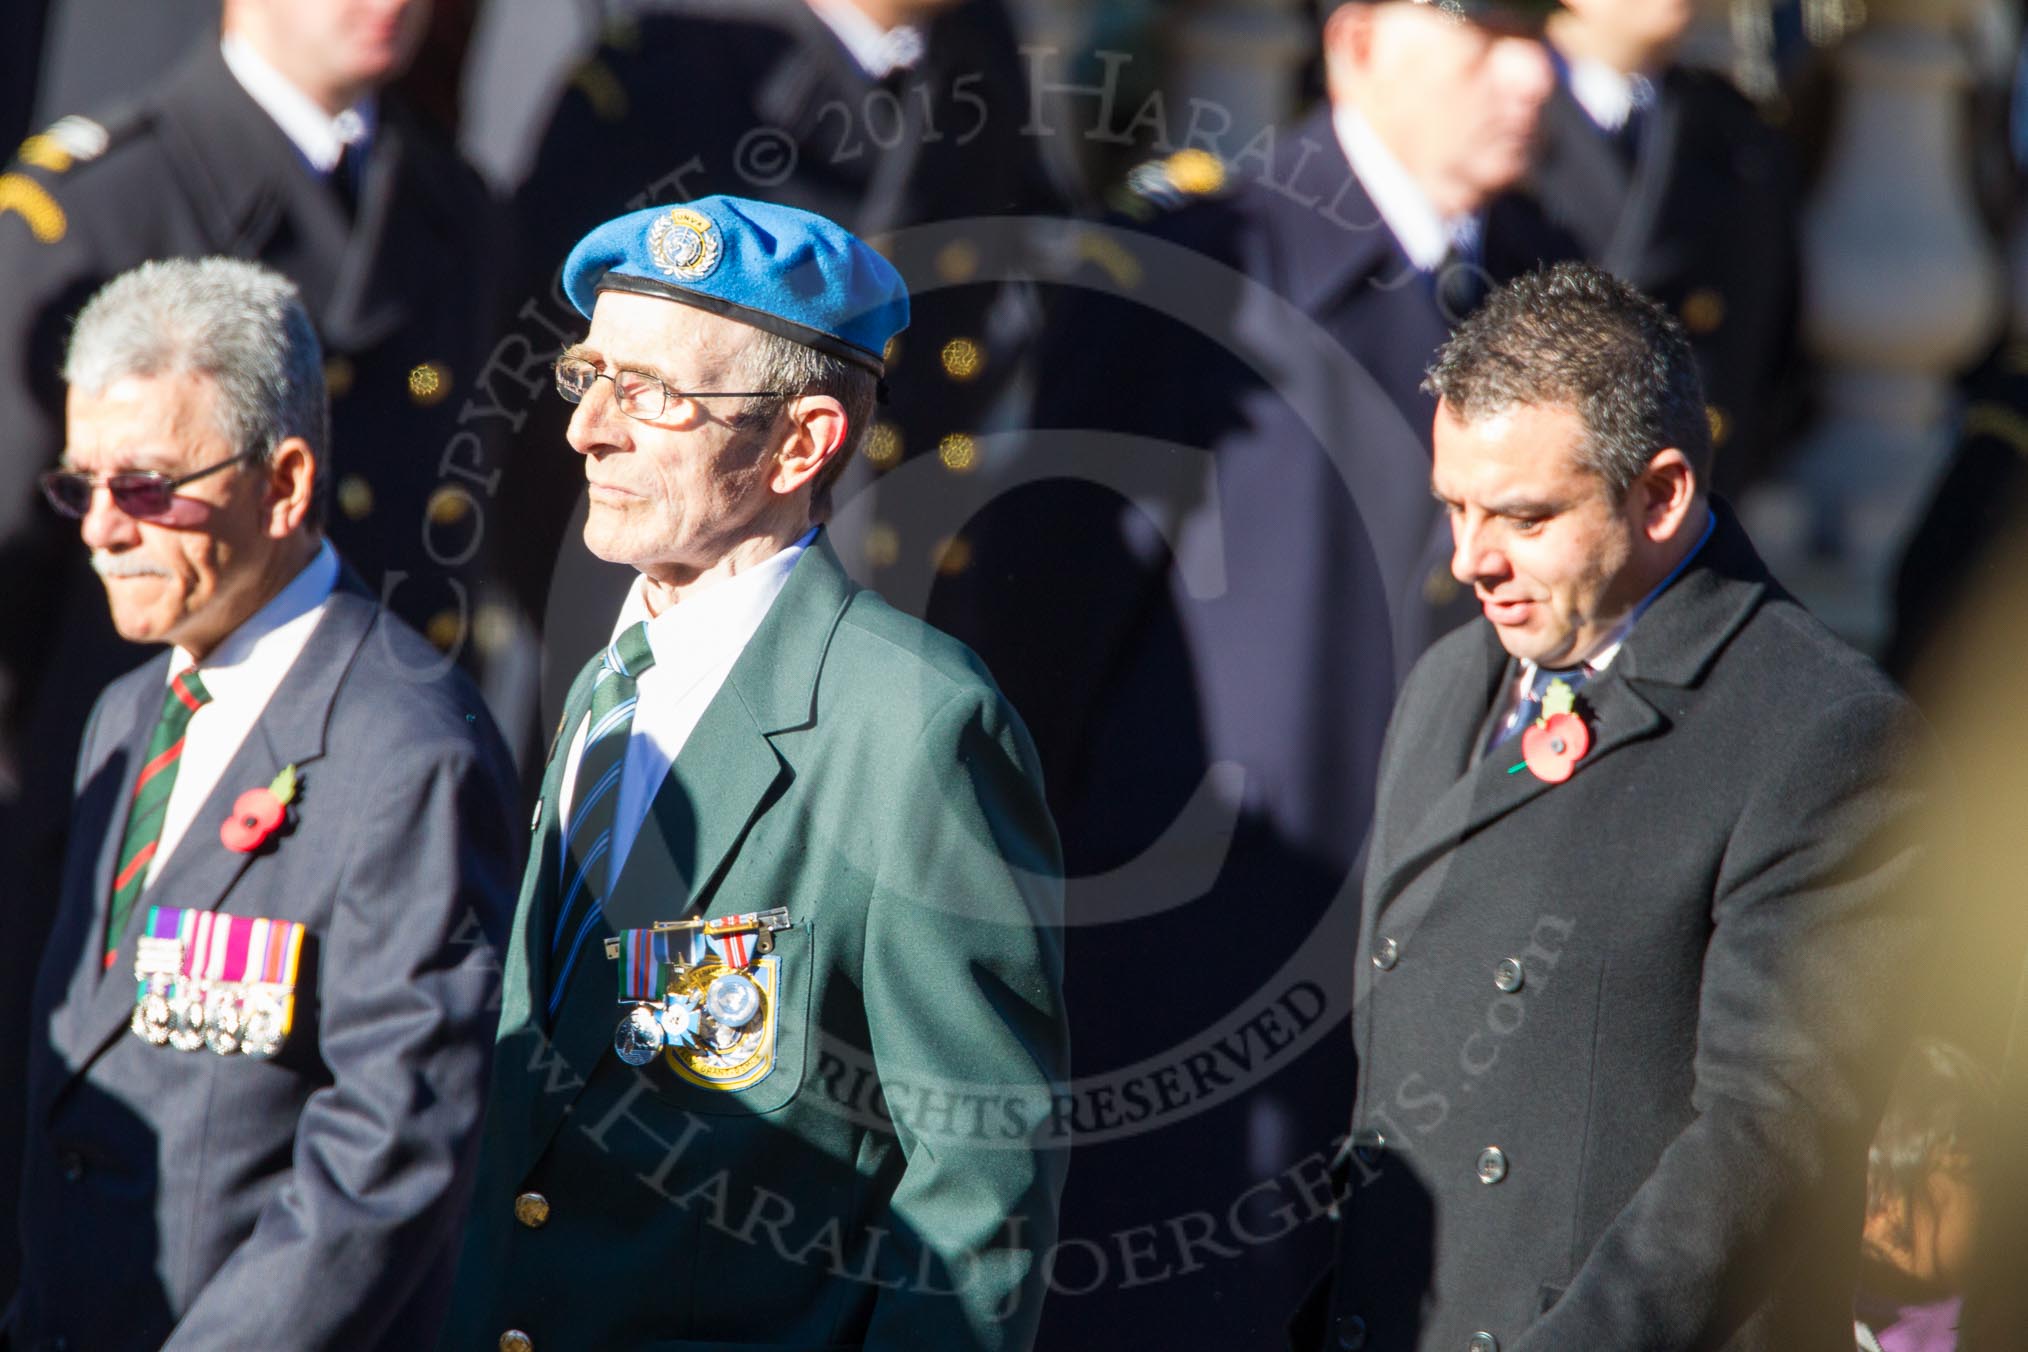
(1647, 189)
(728, 773)
(366, 306)
(1671, 647)
(201, 873)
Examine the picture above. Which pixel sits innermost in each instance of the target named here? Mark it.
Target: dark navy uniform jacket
(1203, 615)
(1701, 213)
(399, 292)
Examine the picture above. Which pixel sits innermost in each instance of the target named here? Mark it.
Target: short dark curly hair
(1575, 336)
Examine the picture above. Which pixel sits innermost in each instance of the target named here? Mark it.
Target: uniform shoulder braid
(27, 188)
(1169, 182)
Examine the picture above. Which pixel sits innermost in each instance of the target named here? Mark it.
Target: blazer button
(532, 1210)
(1482, 1341)
(73, 1166)
(1351, 1333)
(514, 1340)
(1492, 1164)
(1385, 954)
(1507, 976)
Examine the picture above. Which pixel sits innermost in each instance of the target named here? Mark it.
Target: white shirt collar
(1608, 95)
(319, 137)
(696, 635)
(270, 629)
(877, 51)
(1424, 233)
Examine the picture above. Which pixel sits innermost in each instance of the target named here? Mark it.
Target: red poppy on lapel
(1553, 746)
(259, 813)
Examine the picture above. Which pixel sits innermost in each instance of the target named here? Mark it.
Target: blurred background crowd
(1083, 195)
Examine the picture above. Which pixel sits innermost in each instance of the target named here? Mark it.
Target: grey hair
(1575, 336)
(235, 322)
(772, 362)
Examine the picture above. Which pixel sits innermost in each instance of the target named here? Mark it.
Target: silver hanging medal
(733, 1000)
(639, 1036)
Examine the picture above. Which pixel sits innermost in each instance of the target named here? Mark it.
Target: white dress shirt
(1425, 234)
(877, 51)
(1607, 94)
(695, 644)
(318, 136)
(241, 675)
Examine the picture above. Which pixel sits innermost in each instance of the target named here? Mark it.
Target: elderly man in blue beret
(781, 1018)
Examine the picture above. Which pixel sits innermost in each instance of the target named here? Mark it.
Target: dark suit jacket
(891, 1181)
(309, 1201)
(194, 167)
(1703, 217)
(1244, 587)
(1682, 1069)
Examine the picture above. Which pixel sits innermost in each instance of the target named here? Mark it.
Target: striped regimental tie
(185, 697)
(584, 860)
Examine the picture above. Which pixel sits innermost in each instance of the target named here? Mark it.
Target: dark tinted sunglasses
(141, 494)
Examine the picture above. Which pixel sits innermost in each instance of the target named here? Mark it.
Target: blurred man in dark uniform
(271, 145)
(1208, 671)
(883, 115)
(1669, 178)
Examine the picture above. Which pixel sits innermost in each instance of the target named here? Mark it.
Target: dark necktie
(588, 837)
(344, 177)
(185, 696)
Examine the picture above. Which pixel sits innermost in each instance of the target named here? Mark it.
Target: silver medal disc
(221, 1030)
(187, 1019)
(639, 1036)
(733, 1000)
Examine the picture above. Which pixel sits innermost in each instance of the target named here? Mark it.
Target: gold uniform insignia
(685, 244)
(723, 1057)
(31, 201)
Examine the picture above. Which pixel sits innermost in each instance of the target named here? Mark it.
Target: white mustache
(119, 565)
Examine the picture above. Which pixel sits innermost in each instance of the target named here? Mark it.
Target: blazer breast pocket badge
(704, 995)
(227, 982)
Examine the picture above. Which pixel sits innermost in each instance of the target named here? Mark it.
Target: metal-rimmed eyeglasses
(641, 394)
(143, 494)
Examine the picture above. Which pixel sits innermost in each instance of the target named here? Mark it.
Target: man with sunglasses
(260, 1042)
(781, 1020)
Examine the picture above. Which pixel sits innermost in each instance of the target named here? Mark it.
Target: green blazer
(883, 1184)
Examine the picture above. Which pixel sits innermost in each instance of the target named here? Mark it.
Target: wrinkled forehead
(142, 422)
(676, 340)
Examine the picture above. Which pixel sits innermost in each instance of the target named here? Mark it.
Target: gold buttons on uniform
(958, 452)
(952, 556)
(883, 546)
(448, 505)
(445, 628)
(1721, 426)
(1703, 311)
(429, 383)
(355, 497)
(962, 359)
(957, 261)
(338, 375)
(514, 1340)
(532, 1210)
(883, 445)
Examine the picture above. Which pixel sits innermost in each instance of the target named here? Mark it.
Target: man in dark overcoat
(1633, 923)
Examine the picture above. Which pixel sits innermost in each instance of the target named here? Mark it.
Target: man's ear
(291, 486)
(1348, 37)
(1668, 489)
(817, 428)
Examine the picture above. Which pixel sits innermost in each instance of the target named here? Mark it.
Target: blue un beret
(787, 271)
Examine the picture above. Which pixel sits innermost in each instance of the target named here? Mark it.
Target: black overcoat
(1622, 1040)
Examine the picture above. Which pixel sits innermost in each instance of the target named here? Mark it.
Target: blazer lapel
(1649, 186)
(201, 872)
(728, 773)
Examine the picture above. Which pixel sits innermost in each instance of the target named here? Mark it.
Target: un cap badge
(685, 244)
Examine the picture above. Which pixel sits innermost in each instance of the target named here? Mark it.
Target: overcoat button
(1482, 1341)
(1385, 954)
(1351, 1333)
(1492, 1164)
(1507, 976)
(514, 1340)
(532, 1210)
